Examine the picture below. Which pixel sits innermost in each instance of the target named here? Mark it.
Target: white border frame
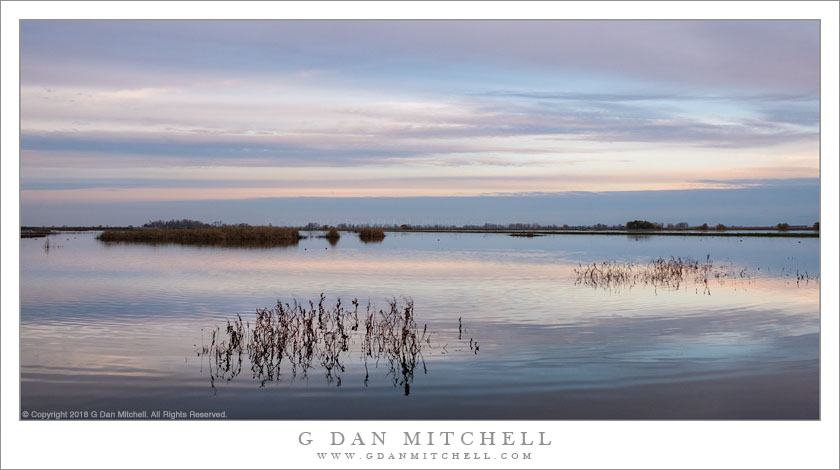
(576, 444)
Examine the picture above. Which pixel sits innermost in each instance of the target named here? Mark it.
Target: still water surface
(121, 326)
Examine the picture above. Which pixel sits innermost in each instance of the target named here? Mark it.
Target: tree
(816, 226)
(175, 223)
(641, 225)
(783, 226)
(720, 227)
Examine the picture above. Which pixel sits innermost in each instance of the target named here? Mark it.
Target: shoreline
(32, 232)
(539, 233)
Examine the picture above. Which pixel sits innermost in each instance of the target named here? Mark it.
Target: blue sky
(145, 119)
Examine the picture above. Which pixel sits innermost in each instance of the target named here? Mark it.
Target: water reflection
(279, 243)
(117, 326)
(309, 335)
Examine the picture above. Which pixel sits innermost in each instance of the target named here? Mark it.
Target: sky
(288, 122)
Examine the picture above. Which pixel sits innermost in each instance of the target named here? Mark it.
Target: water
(119, 327)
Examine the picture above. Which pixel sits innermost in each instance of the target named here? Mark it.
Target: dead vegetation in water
(293, 338)
(661, 273)
(675, 274)
(228, 235)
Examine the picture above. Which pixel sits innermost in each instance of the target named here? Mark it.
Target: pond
(503, 328)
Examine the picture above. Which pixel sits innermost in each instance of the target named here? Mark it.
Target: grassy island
(221, 236)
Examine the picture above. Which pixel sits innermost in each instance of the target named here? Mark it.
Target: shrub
(371, 235)
(642, 225)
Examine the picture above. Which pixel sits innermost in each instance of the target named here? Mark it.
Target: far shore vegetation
(187, 231)
(226, 235)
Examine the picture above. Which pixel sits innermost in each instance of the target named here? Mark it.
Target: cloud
(222, 124)
(764, 182)
(792, 113)
(408, 107)
(780, 55)
(645, 96)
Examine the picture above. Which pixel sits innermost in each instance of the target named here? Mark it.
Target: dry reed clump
(332, 236)
(222, 236)
(299, 336)
(661, 273)
(371, 235)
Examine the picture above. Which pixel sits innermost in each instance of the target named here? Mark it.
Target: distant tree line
(642, 225)
(175, 223)
(630, 225)
(189, 223)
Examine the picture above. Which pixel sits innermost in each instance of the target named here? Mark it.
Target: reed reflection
(302, 336)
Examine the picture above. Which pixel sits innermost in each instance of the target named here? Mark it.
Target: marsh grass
(296, 337)
(220, 236)
(36, 233)
(368, 235)
(669, 274)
